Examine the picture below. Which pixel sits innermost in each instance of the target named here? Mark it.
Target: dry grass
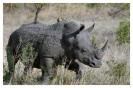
(116, 62)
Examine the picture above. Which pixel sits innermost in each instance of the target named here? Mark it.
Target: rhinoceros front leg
(74, 66)
(47, 65)
(79, 73)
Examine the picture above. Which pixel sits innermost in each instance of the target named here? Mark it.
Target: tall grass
(123, 32)
(28, 55)
(11, 6)
(117, 73)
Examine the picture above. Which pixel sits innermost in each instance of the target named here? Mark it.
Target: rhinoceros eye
(83, 50)
(76, 47)
(98, 55)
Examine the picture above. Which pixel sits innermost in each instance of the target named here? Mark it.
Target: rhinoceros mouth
(93, 63)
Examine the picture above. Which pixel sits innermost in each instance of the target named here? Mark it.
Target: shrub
(119, 72)
(93, 5)
(28, 55)
(39, 5)
(6, 74)
(123, 32)
(11, 6)
(33, 7)
(118, 68)
(123, 6)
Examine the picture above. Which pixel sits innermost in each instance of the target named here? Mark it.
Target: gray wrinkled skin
(54, 43)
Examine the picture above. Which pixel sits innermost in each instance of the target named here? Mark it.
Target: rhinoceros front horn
(76, 32)
(105, 46)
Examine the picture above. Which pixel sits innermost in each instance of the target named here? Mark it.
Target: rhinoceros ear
(90, 28)
(105, 46)
(76, 32)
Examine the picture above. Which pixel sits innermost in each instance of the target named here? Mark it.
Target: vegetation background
(112, 23)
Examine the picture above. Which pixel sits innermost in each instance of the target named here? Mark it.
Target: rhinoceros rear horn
(105, 46)
(76, 32)
(90, 28)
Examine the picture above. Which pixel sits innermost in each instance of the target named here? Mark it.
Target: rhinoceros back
(27, 33)
(51, 46)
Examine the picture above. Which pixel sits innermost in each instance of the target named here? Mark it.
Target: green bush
(28, 55)
(11, 6)
(93, 5)
(123, 32)
(33, 6)
(124, 6)
(119, 72)
(39, 5)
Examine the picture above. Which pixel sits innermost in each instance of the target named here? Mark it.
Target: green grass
(11, 7)
(119, 72)
(28, 55)
(123, 32)
(94, 5)
(124, 6)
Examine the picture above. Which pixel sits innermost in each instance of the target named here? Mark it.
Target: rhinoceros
(55, 43)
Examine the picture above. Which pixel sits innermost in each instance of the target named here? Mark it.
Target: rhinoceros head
(79, 46)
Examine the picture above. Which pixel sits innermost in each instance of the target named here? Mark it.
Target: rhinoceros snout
(95, 64)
